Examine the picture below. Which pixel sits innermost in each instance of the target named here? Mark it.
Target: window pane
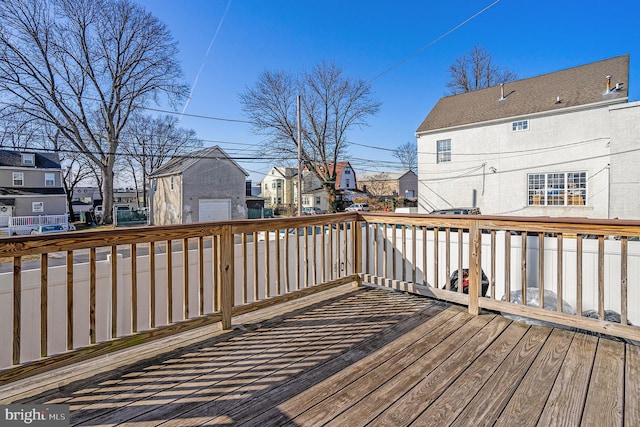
(577, 188)
(555, 189)
(18, 178)
(536, 189)
(443, 150)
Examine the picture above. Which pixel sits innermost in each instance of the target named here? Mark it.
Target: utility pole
(299, 160)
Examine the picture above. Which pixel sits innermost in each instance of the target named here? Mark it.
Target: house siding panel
(214, 179)
(625, 158)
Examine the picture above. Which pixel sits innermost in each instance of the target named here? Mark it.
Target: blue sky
(366, 38)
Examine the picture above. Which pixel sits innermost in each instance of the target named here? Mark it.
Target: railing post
(356, 235)
(226, 282)
(475, 275)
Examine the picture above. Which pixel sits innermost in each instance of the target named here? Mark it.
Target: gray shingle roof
(42, 160)
(181, 163)
(576, 86)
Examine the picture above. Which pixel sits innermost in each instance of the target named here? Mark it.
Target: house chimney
(501, 91)
(608, 84)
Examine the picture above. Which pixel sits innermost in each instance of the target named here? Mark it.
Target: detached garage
(203, 186)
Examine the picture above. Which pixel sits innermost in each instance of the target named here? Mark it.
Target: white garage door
(214, 210)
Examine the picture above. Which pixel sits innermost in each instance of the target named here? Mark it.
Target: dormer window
(28, 159)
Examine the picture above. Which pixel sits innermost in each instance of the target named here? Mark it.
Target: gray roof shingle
(578, 86)
(13, 158)
(181, 163)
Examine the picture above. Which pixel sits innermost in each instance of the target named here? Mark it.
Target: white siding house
(560, 144)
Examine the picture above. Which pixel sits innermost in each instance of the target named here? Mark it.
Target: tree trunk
(107, 194)
(330, 188)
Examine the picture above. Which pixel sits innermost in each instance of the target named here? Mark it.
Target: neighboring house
(30, 185)
(560, 144)
(279, 186)
(206, 185)
(389, 184)
(314, 195)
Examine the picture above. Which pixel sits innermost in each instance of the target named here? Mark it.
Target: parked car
(357, 207)
(312, 210)
(49, 228)
(457, 211)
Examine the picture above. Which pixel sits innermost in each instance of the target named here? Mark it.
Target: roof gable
(573, 87)
(181, 163)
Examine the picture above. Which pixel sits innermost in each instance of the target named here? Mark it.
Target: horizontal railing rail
(72, 296)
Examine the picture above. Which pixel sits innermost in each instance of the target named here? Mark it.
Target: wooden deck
(369, 357)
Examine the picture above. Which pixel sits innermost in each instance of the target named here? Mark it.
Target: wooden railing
(118, 288)
(576, 269)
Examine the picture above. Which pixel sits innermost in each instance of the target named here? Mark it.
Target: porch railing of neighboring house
(24, 224)
(120, 288)
(28, 221)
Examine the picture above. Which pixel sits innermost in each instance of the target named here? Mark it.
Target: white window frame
(49, 179)
(557, 189)
(28, 159)
(18, 179)
(520, 126)
(443, 151)
(37, 207)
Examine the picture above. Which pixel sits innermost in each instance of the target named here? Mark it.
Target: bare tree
(16, 131)
(83, 67)
(476, 70)
(151, 141)
(407, 154)
(331, 106)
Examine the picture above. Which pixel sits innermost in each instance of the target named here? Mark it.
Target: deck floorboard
(369, 357)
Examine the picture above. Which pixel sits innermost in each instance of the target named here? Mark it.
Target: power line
(531, 167)
(434, 41)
